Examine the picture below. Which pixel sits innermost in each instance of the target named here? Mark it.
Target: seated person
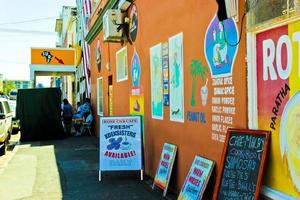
(78, 113)
(78, 126)
(84, 110)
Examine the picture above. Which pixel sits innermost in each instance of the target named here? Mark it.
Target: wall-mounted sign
(165, 166)
(136, 103)
(219, 54)
(133, 23)
(277, 71)
(98, 56)
(197, 179)
(165, 66)
(242, 164)
(55, 56)
(176, 78)
(156, 82)
(120, 143)
(135, 69)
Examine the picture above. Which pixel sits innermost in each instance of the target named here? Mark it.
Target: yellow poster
(278, 100)
(136, 105)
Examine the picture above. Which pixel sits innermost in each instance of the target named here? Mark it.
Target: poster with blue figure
(176, 78)
(156, 76)
(135, 69)
(220, 49)
(120, 143)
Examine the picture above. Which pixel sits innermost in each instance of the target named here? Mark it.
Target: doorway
(110, 95)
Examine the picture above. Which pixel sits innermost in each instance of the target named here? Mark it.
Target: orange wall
(159, 20)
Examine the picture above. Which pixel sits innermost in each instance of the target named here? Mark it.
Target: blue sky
(17, 38)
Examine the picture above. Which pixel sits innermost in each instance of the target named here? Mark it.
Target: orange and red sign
(55, 56)
(278, 99)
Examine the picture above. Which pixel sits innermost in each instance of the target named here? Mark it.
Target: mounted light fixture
(227, 9)
(124, 5)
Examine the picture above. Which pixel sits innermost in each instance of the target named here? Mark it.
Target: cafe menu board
(197, 179)
(165, 166)
(242, 164)
(120, 143)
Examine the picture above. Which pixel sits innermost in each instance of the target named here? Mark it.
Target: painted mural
(219, 52)
(176, 78)
(278, 100)
(156, 81)
(198, 70)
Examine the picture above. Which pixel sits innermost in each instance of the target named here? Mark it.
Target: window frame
(118, 55)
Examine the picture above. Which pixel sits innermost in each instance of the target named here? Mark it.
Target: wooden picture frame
(264, 150)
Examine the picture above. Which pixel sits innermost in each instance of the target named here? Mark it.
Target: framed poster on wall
(156, 82)
(176, 78)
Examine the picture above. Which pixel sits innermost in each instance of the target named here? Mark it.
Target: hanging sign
(120, 143)
(165, 165)
(133, 23)
(98, 56)
(197, 179)
(242, 164)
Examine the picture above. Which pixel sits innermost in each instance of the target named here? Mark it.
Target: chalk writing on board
(241, 166)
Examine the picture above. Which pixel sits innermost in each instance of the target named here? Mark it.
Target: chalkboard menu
(242, 164)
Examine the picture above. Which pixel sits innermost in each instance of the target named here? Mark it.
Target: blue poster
(220, 46)
(135, 70)
(197, 179)
(120, 143)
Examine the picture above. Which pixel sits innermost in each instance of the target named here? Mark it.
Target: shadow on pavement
(77, 164)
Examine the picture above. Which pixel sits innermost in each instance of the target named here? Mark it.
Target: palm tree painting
(196, 69)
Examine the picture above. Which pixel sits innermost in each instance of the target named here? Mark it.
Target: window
(7, 108)
(261, 11)
(1, 108)
(122, 68)
(100, 96)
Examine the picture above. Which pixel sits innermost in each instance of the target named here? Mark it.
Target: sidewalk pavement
(68, 169)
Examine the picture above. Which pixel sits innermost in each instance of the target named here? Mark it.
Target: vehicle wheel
(3, 149)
